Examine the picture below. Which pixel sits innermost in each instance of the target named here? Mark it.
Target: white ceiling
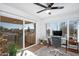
(31, 8)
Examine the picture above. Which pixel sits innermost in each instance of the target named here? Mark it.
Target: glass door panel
(30, 34)
(12, 31)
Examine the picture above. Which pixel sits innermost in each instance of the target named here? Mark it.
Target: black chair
(56, 44)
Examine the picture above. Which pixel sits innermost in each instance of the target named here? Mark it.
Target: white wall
(40, 31)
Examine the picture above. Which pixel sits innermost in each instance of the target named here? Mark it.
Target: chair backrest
(56, 41)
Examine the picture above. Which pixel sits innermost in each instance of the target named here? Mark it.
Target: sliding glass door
(73, 36)
(12, 31)
(30, 34)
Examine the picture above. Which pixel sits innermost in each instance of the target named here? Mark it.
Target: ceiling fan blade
(50, 4)
(57, 7)
(40, 5)
(41, 10)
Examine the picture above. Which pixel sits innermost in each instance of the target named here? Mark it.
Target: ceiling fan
(48, 7)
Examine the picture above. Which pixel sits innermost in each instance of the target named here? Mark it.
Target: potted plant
(12, 50)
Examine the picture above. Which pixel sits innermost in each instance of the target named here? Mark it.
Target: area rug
(49, 52)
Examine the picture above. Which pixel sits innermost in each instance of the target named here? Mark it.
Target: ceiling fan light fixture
(48, 12)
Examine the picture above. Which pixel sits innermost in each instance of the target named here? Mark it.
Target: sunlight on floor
(26, 53)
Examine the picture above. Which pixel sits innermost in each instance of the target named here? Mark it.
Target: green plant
(12, 50)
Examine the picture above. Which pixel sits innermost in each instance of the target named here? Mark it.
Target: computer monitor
(57, 33)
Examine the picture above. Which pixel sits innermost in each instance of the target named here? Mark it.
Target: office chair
(56, 46)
